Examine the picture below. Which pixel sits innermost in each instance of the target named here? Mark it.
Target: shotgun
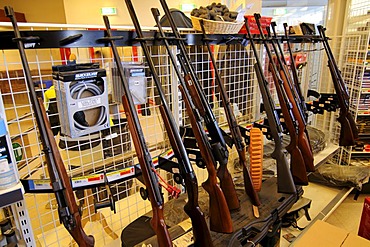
(146, 164)
(285, 182)
(234, 129)
(303, 138)
(348, 131)
(297, 159)
(68, 211)
(220, 219)
(218, 144)
(293, 69)
(201, 234)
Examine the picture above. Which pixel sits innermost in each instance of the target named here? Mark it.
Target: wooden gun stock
(346, 137)
(194, 94)
(226, 180)
(77, 231)
(233, 202)
(142, 151)
(303, 139)
(60, 182)
(220, 218)
(297, 162)
(348, 128)
(201, 234)
(228, 187)
(157, 222)
(349, 131)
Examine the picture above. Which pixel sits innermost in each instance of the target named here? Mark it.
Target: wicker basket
(212, 27)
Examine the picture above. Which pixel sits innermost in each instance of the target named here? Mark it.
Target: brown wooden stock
(226, 180)
(194, 95)
(297, 162)
(77, 232)
(157, 222)
(228, 187)
(201, 234)
(348, 131)
(346, 137)
(303, 141)
(220, 218)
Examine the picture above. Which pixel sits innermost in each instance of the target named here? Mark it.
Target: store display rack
(86, 169)
(358, 24)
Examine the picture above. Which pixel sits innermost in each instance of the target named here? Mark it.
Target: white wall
(46, 11)
(88, 12)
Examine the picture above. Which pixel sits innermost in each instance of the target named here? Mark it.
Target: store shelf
(360, 154)
(11, 195)
(322, 156)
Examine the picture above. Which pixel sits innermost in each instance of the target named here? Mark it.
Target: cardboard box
(322, 234)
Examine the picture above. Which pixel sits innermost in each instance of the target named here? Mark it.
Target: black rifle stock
(218, 144)
(68, 211)
(349, 131)
(146, 164)
(218, 202)
(284, 176)
(233, 126)
(201, 233)
(299, 115)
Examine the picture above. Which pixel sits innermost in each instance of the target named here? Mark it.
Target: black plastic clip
(29, 39)
(70, 39)
(107, 203)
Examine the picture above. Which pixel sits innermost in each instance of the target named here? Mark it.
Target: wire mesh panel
(103, 151)
(111, 150)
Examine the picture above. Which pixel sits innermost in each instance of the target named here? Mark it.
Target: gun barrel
(143, 154)
(67, 206)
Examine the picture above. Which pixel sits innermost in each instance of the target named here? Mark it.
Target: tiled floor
(347, 216)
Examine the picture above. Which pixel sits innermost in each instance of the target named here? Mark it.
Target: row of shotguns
(214, 151)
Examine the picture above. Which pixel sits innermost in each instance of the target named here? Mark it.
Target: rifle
(297, 162)
(234, 129)
(146, 164)
(293, 69)
(284, 176)
(202, 236)
(68, 211)
(220, 219)
(218, 144)
(349, 131)
(303, 137)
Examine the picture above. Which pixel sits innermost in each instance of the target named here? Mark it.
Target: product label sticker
(40, 184)
(126, 172)
(87, 180)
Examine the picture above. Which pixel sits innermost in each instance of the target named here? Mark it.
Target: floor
(335, 206)
(348, 215)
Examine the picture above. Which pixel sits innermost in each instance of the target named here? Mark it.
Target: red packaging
(265, 22)
(364, 229)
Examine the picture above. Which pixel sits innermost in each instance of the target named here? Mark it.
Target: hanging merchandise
(135, 75)
(82, 98)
